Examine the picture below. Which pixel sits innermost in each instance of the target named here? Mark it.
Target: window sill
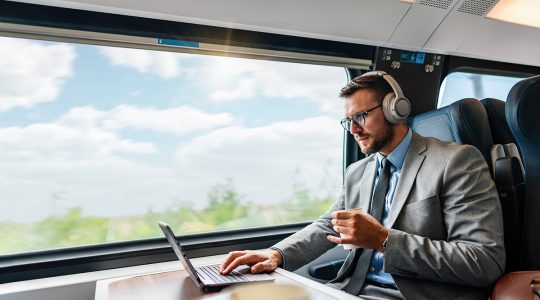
(27, 266)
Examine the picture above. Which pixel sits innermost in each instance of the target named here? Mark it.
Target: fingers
(345, 214)
(230, 258)
(340, 214)
(241, 260)
(341, 222)
(265, 266)
(237, 258)
(345, 230)
(338, 240)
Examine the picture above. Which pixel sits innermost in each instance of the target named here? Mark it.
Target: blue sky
(93, 127)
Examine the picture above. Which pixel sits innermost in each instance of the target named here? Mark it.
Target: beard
(379, 141)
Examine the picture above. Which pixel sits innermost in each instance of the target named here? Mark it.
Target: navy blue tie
(377, 205)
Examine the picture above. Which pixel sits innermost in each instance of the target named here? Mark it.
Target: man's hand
(362, 229)
(260, 261)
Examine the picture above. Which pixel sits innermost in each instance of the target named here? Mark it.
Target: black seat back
(509, 179)
(511, 187)
(523, 116)
(500, 130)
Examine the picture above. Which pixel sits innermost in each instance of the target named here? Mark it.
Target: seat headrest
(495, 109)
(464, 122)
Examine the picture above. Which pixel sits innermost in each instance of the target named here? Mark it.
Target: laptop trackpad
(258, 277)
(245, 270)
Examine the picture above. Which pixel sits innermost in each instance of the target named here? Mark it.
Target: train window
(99, 143)
(459, 85)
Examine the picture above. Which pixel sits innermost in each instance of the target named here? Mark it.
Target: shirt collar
(397, 156)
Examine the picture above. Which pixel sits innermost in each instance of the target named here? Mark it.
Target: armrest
(327, 270)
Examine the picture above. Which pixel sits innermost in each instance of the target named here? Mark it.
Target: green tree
(224, 205)
(68, 230)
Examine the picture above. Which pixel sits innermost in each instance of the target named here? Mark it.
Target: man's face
(376, 132)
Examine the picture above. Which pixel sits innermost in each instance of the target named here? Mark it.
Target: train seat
(509, 179)
(522, 114)
(464, 122)
(469, 121)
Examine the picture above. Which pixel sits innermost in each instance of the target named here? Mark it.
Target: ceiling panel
(468, 33)
(503, 41)
(439, 26)
(451, 33)
(420, 22)
(341, 20)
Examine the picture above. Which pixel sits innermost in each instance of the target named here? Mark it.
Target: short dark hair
(374, 83)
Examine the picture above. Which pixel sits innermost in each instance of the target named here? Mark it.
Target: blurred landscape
(225, 210)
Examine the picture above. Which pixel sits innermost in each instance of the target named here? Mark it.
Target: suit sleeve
(473, 251)
(309, 243)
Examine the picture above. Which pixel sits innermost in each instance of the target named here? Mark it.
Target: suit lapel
(411, 165)
(366, 184)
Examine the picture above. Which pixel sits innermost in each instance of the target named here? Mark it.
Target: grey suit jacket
(446, 236)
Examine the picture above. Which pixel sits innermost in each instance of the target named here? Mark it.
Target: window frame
(49, 23)
(483, 71)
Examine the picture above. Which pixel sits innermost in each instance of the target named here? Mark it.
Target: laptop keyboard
(212, 272)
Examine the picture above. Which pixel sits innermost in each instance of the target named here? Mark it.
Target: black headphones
(396, 107)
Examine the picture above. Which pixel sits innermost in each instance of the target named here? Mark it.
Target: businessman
(431, 222)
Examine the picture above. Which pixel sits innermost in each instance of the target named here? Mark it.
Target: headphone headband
(388, 78)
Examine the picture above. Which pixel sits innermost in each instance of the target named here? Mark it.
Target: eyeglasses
(359, 118)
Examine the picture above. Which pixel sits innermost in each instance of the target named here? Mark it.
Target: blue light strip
(180, 43)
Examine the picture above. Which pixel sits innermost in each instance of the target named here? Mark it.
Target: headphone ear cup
(396, 110)
(387, 106)
(402, 109)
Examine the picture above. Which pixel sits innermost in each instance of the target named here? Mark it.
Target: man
(431, 222)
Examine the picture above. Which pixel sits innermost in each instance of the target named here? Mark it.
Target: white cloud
(82, 160)
(177, 120)
(32, 72)
(56, 142)
(87, 133)
(55, 166)
(244, 89)
(234, 79)
(163, 64)
(51, 167)
(264, 161)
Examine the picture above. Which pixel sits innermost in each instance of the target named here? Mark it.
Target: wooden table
(177, 285)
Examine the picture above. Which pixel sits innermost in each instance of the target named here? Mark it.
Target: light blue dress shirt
(396, 157)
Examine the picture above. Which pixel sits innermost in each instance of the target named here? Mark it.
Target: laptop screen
(169, 234)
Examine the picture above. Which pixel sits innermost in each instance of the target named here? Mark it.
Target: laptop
(208, 277)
